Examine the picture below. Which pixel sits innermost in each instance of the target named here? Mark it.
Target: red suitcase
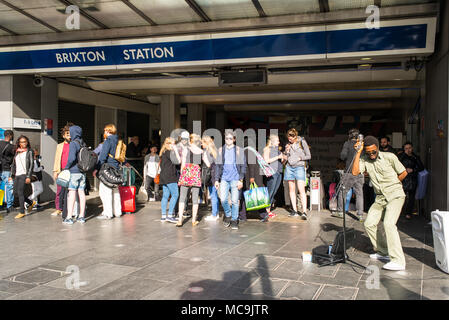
(128, 198)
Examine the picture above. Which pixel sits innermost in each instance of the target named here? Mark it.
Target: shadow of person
(235, 285)
(397, 292)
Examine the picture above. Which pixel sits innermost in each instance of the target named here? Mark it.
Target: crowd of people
(193, 168)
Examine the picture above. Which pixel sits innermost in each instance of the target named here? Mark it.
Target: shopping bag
(256, 198)
(2, 195)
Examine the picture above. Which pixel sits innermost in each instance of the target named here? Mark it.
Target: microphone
(360, 140)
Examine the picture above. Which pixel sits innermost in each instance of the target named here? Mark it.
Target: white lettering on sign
(24, 123)
(148, 53)
(79, 57)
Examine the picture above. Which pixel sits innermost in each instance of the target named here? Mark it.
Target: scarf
(20, 150)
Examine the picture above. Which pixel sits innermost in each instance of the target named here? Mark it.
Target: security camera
(38, 81)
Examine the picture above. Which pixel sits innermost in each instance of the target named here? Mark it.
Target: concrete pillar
(6, 102)
(196, 112)
(170, 117)
(49, 110)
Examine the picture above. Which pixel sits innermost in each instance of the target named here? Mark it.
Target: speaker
(440, 229)
(321, 255)
(242, 77)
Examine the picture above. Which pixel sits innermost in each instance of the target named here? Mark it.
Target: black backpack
(87, 158)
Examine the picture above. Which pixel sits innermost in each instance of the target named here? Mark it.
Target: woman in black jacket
(21, 171)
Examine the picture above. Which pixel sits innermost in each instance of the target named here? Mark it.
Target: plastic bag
(256, 198)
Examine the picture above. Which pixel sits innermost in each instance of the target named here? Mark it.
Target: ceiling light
(137, 70)
(365, 59)
(133, 93)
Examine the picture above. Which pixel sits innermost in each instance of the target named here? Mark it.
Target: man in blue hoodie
(77, 182)
(110, 197)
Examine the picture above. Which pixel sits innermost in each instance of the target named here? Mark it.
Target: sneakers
(9, 210)
(163, 219)
(211, 218)
(68, 221)
(56, 213)
(376, 256)
(227, 221)
(234, 225)
(151, 199)
(393, 266)
(81, 220)
(19, 216)
(186, 215)
(30, 207)
(337, 214)
(171, 220)
(265, 219)
(294, 214)
(303, 216)
(103, 217)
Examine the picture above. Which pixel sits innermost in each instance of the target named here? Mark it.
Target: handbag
(190, 175)
(110, 175)
(256, 198)
(157, 179)
(63, 178)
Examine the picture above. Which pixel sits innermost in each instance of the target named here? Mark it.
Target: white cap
(184, 135)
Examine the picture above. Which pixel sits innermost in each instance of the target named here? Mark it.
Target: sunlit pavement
(139, 257)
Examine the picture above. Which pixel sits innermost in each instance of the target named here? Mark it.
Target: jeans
(9, 188)
(214, 200)
(273, 184)
(169, 189)
(77, 181)
(356, 184)
(224, 192)
(19, 188)
(152, 192)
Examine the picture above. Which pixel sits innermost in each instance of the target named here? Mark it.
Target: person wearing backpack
(77, 181)
(110, 197)
(7, 152)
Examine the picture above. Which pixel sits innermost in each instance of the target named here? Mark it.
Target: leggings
(19, 189)
(195, 194)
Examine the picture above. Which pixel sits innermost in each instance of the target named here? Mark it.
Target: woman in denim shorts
(298, 153)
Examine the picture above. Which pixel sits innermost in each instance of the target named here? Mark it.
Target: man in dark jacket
(348, 180)
(229, 173)
(7, 152)
(385, 145)
(77, 182)
(413, 165)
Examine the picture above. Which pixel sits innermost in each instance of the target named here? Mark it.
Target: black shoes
(227, 221)
(294, 214)
(303, 216)
(234, 225)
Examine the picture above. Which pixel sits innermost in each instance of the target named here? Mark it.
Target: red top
(65, 155)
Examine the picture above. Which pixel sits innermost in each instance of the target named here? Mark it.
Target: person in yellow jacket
(61, 156)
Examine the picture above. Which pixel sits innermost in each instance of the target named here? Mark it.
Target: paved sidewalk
(138, 257)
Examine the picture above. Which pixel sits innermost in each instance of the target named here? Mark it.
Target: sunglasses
(229, 138)
(292, 135)
(371, 152)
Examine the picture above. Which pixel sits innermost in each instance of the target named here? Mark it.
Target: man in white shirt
(151, 170)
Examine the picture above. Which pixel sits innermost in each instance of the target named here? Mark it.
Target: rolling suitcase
(128, 198)
(128, 191)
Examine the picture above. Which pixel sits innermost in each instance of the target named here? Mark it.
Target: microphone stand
(345, 258)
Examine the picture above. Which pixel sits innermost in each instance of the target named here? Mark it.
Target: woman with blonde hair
(274, 157)
(110, 197)
(297, 152)
(209, 157)
(190, 179)
(169, 178)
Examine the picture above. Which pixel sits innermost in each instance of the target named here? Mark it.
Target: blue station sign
(406, 37)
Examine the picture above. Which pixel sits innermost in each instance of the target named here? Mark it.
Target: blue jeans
(224, 192)
(273, 184)
(214, 200)
(169, 189)
(9, 188)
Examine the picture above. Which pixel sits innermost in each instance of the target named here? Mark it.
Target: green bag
(129, 176)
(256, 198)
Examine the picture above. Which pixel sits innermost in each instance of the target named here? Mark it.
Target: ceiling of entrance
(23, 17)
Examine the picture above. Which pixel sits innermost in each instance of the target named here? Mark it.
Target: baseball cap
(184, 135)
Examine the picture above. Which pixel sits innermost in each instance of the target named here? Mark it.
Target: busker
(21, 171)
(386, 173)
(348, 180)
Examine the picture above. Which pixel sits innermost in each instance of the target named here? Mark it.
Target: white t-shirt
(21, 164)
(151, 167)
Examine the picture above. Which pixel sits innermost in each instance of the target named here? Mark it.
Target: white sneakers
(376, 256)
(393, 266)
(212, 218)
